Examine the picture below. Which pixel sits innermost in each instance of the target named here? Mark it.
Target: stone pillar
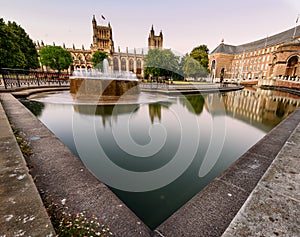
(134, 65)
(127, 63)
(119, 60)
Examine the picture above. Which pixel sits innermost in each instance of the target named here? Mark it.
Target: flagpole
(296, 27)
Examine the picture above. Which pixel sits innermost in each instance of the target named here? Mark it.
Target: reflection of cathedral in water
(154, 111)
(264, 107)
(106, 112)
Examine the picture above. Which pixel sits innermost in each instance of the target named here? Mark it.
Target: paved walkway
(273, 208)
(21, 209)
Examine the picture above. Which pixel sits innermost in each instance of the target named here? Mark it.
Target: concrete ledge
(27, 92)
(273, 208)
(21, 88)
(21, 208)
(211, 211)
(62, 175)
(191, 91)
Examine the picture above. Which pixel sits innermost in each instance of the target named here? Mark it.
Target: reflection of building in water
(262, 106)
(154, 112)
(214, 104)
(108, 113)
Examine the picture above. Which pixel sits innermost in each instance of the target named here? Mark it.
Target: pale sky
(185, 23)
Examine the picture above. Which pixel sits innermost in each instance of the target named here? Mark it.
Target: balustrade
(19, 77)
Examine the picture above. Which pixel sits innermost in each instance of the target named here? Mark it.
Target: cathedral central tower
(102, 38)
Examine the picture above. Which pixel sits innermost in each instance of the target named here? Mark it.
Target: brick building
(277, 56)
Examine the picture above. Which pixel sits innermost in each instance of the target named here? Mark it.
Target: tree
(26, 45)
(161, 63)
(200, 54)
(98, 58)
(192, 67)
(55, 57)
(17, 50)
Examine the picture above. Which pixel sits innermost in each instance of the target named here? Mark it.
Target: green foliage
(161, 63)
(34, 106)
(194, 103)
(191, 67)
(55, 57)
(26, 45)
(17, 50)
(200, 54)
(98, 58)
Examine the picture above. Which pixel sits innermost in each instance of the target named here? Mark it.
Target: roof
(258, 44)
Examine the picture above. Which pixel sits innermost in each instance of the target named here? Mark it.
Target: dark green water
(156, 156)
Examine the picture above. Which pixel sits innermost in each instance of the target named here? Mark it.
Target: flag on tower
(103, 17)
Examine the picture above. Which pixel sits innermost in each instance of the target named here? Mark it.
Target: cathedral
(276, 56)
(119, 61)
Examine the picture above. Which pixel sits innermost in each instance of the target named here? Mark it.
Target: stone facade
(102, 38)
(155, 41)
(271, 57)
(119, 61)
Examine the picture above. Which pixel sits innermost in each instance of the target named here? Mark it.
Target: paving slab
(273, 208)
(22, 212)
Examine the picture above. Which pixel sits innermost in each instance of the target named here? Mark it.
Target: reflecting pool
(157, 152)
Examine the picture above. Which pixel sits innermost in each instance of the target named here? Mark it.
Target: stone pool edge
(59, 173)
(22, 210)
(208, 213)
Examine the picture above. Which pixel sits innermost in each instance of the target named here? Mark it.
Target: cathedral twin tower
(155, 41)
(130, 61)
(103, 39)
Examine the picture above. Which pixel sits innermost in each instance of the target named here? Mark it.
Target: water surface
(157, 152)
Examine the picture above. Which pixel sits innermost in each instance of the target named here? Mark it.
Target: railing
(19, 77)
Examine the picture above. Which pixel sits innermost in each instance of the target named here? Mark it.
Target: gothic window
(123, 64)
(116, 64)
(138, 66)
(131, 65)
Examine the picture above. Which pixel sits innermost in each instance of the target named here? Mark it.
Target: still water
(157, 152)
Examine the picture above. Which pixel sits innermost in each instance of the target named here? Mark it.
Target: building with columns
(103, 41)
(276, 56)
